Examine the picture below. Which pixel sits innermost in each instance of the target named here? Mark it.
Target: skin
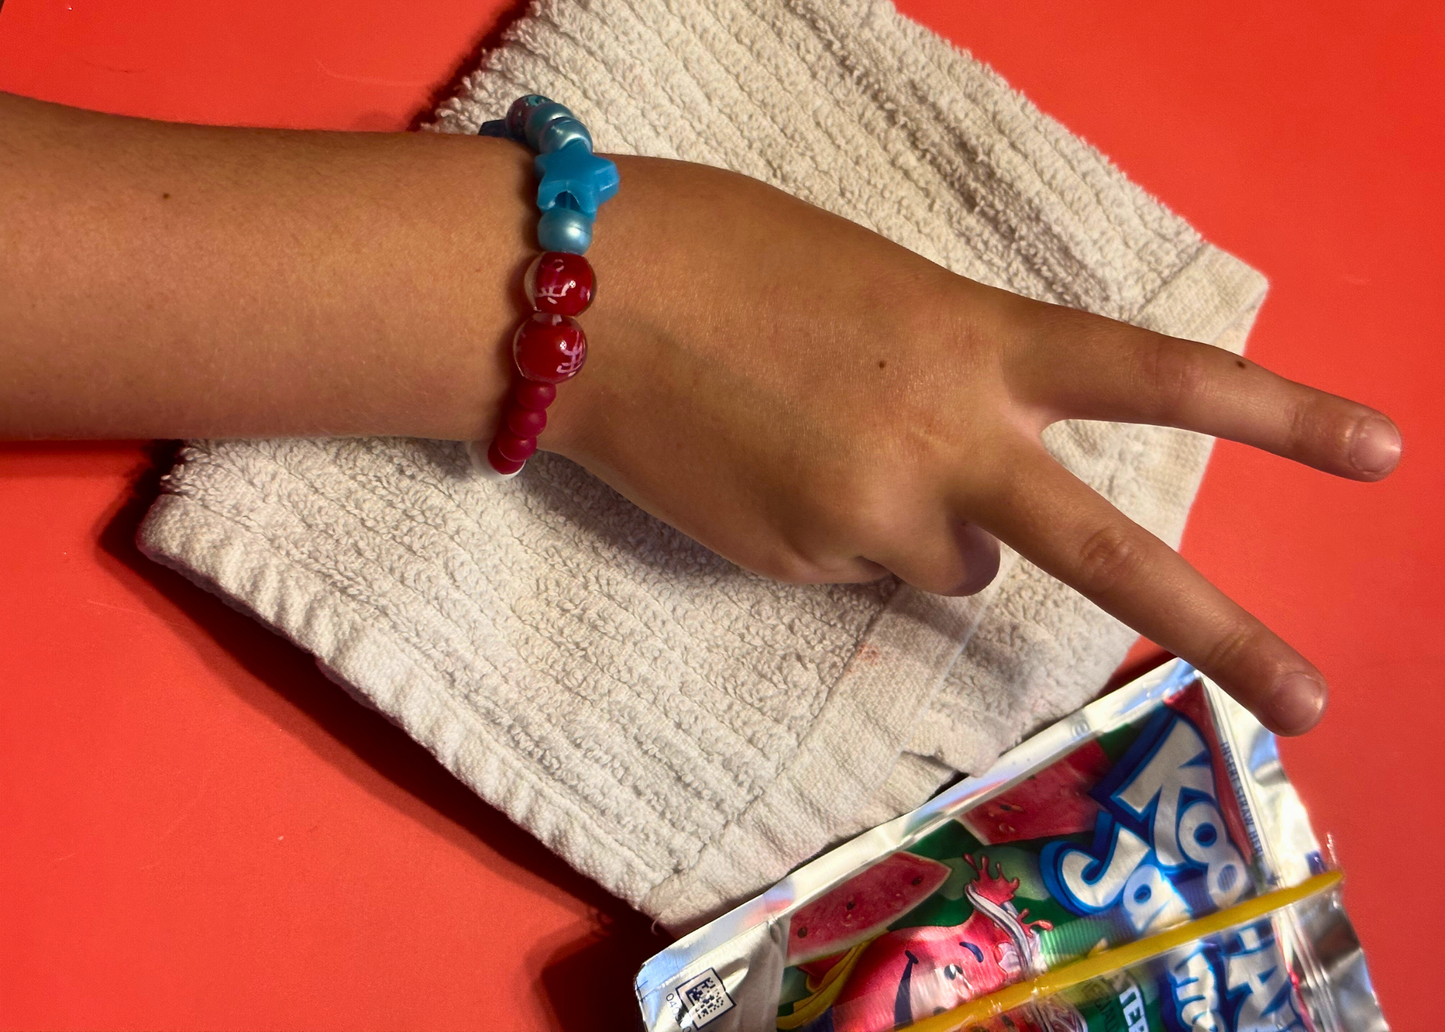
(799, 394)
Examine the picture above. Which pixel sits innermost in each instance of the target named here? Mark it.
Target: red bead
(561, 283)
(517, 449)
(501, 463)
(526, 422)
(549, 348)
(529, 394)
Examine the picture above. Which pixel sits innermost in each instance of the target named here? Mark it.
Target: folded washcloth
(680, 730)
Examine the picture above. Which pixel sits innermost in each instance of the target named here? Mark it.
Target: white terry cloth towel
(678, 729)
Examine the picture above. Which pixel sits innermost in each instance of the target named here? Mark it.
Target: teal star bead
(574, 170)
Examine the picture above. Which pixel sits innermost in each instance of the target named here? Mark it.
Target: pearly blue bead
(541, 116)
(560, 132)
(563, 229)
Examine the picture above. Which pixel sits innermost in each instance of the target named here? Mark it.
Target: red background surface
(199, 831)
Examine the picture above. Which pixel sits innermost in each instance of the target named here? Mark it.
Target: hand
(818, 404)
(802, 396)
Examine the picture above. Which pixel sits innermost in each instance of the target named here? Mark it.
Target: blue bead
(562, 229)
(539, 117)
(575, 170)
(561, 132)
(517, 114)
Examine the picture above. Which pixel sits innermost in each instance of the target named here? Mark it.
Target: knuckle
(1229, 652)
(1175, 374)
(1319, 432)
(1301, 433)
(1109, 558)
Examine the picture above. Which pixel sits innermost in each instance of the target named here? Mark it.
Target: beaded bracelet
(549, 346)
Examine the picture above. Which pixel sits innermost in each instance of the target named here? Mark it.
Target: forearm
(163, 281)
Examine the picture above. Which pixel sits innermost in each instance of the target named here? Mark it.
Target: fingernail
(1297, 703)
(1376, 447)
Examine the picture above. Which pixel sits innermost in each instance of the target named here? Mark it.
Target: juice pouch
(1155, 805)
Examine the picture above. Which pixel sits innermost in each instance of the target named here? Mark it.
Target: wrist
(549, 346)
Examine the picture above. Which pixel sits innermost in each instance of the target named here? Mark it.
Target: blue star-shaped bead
(575, 170)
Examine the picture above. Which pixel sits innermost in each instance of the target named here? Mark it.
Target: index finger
(1061, 525)
(1082, 366)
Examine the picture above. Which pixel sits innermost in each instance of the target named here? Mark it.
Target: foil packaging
(1157, 804)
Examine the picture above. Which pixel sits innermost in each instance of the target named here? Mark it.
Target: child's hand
(795, 392)
(818, 404)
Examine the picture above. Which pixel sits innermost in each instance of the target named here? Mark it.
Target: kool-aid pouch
(1134, 820)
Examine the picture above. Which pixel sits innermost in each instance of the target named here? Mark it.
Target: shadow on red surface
(470, 62)
(584, 982)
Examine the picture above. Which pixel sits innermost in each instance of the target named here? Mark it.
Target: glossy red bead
(501, 463)
(518, 449)
(560, 283)
(529, 394)
(549, 348)
(526, 422)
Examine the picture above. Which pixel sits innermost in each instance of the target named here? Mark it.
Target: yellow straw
(1109, 961)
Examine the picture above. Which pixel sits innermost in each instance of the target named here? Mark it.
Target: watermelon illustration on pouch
(913, 972)
(1051, 803)
(863, 907)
